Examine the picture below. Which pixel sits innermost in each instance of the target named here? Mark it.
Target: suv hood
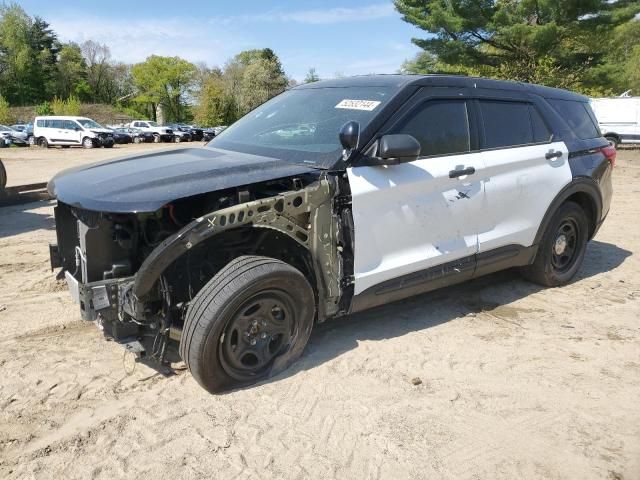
(145, 183)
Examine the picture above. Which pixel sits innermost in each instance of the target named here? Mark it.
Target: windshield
(302, 126)
(86, 123)
(152, 124)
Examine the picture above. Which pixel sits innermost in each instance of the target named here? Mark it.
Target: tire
(251, 321)
(108, 145)
(562, 248)
(43, 143)
(615, 141)
(177, 139)
(3, 178)
(87, 142)
(157, 139)
(137, 140)
(31, 140)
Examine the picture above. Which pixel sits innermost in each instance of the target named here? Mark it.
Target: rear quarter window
(578, 116)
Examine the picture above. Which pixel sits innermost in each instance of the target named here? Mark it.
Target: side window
(69, 125)
(541, 132)
(506, 124)
(577, 116)
(41, 123)
(57, 124)
(441, 127)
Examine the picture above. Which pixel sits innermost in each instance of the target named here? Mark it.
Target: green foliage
(70, 106)
(312, 76)
(44, 109)
(28, 52)
(563, 43)
(164, 81)
(5, 114)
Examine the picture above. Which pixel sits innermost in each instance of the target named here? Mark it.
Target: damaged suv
(331, 198)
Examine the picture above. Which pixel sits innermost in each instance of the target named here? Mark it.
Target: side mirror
(350, 135)
(398, 148)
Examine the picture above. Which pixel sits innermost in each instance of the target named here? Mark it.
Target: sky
(346, 38)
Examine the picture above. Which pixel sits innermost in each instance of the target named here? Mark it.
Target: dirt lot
(517, 382)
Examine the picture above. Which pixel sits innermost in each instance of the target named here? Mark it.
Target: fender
(583, 185)
(304, 215)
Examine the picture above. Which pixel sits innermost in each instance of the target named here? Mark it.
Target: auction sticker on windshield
(368, 105)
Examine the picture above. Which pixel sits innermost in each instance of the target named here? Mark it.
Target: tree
(213, 104)
(555, 42)
(164, 82)
(5, 113)
(28, 51)
(312, 76)
(72, 72)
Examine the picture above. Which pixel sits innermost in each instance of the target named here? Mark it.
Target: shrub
(5, 114)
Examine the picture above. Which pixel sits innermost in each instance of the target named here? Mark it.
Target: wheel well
(589, 206)
(611, 134)
(191, 272)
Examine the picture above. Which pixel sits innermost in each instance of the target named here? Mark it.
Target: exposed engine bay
(135, 273)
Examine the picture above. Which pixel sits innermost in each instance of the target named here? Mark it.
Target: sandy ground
(516, 381)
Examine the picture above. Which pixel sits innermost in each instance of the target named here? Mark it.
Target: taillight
(610, 153)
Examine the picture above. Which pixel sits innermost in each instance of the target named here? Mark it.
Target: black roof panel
(401, 81)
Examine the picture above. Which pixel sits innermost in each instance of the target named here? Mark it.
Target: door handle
(462, 172)
(550, 155)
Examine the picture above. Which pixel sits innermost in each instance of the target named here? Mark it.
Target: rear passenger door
(524, 169)
(418, 215)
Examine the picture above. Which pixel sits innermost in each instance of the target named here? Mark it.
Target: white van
(67, 131)
(619, 118)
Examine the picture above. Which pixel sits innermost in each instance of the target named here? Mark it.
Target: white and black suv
(331, 198)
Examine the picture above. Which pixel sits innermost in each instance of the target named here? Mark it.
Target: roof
(63, 117)
(401, 81)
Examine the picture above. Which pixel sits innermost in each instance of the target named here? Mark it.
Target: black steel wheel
(256, 334)
(251, 321)
(561, 251)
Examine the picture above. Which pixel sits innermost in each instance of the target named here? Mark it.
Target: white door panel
(520, 184)
(412, 216)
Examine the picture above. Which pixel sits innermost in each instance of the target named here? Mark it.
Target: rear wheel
(137, 140)
(43, 143)
(561, 251)
(177, 139)
(156, 139)
(251, 321)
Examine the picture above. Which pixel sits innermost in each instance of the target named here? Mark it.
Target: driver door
(416, 223)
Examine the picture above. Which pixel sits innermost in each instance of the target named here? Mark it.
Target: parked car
(619, 119)
(197, 133)
(137, 135)
(160, 134)
(28, 129)
(389, 186)
(13, 137)
(120, 137)
(180, 133)
(71, 131)
(208, 134)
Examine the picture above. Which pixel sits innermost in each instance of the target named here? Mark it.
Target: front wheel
(177, 139)
(87, 142)
(251, 321)
(561, 251)
(156, 139)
